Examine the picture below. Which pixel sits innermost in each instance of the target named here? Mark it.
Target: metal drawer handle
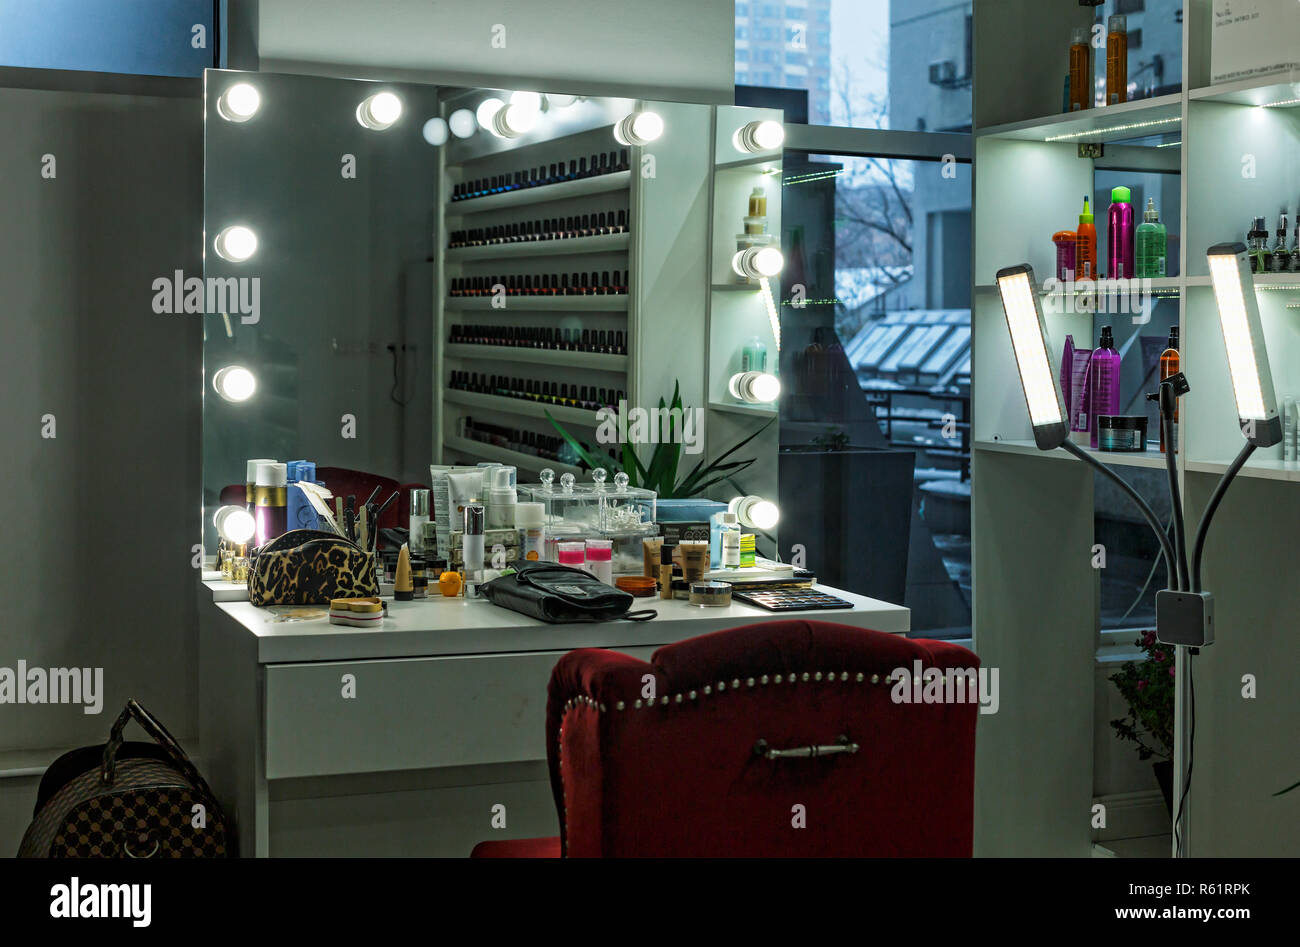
(841, 745)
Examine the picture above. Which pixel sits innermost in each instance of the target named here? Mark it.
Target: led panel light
(1243, 340)
(1029, 341)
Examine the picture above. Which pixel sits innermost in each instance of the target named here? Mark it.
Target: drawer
(408, 713)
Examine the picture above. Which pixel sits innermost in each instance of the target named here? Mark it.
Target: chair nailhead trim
(583, 700)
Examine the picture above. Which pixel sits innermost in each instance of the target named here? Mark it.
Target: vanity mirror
(398, 274)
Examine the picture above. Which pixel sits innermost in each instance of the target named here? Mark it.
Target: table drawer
(407, 713)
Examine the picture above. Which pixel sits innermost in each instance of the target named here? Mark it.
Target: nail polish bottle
(604, 283)
(585, 344)
(564, 284)
(573, 168)
(620, 344)
(604, 163)
(582, 167)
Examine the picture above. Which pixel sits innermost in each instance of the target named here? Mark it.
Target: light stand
(1184, 611)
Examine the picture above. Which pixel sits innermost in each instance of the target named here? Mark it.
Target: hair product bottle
(1080, 70)
(1117, 59)
(1103, 382)
(1119, 234)
(1169, 362)
(1085, 245)
(1152, 243)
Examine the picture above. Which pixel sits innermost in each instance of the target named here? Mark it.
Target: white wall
(99, 520)
(665, 49)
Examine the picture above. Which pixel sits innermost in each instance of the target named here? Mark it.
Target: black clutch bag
(559, 594)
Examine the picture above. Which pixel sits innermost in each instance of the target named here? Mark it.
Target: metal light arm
(1203, 528)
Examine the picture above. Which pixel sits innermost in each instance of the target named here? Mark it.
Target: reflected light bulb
(239, 103)
(461, 122)
(234, 383)
(487, 111)
(435, 132)
(235, 243)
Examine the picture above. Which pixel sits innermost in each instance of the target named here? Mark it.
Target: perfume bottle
(1169, 365)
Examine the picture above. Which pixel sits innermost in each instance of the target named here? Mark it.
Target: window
(742, 33)
(879, 65)
(742, 10)
(875, 366)
(1130, 6)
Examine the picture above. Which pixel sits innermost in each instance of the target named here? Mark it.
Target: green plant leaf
(632, 467)
(592, 460)
(1287, 790)
(691, 485)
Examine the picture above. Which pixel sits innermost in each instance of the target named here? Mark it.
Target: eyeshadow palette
(790, 600)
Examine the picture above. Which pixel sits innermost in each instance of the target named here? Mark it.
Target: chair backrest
(680, 773)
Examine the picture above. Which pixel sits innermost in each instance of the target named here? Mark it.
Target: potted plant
(1148, 687)
(659, 471)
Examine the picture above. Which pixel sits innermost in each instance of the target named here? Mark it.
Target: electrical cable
(1191, 745)
(1165, 546)
(1175, 498)
(1203, 528)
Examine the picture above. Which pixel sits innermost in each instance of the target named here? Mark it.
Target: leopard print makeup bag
(310, 567)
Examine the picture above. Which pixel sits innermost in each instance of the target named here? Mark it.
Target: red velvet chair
(683, 774)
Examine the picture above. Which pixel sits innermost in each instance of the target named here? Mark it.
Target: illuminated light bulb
(379, 111)
(239, 103)
(235, 243)
(435, 132)
(754, 387)
(759, 136)
(757, 262)
(235, 524)
(487, 111)
(462, 123)
(639, 128)
(526, 102)
(234, 383)
(755, 512)
(510, 122)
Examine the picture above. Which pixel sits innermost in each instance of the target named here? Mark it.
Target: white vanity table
(445, 717)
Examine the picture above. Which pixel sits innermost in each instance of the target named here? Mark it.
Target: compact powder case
(710, 593)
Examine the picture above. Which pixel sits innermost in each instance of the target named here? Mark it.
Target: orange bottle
(1080, 70)
(1117, 59)
(1169, 362)
(1085, 245)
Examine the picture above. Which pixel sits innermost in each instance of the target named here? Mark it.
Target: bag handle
(159, 734)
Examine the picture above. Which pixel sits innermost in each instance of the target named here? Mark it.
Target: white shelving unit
(1036, 599)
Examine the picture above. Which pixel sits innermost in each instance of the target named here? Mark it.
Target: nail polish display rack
(537, 283)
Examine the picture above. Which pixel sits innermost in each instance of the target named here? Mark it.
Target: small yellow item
(363, 605)
(449, 584)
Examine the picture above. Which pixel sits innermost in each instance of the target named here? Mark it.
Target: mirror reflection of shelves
(597, 361)
(576, 246)
(611, 303)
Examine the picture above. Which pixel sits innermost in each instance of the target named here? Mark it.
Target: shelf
(751, 410)
(520, 406)
(1260, 90)
(608, 243)
(506, 456)
(735, 287)
(1159, 286)
(1264, 469)
(565, 190)
(1272, 281)
(592, 361)
(1122, 122)
(1149, 458)
(753, 163)
(618, 303)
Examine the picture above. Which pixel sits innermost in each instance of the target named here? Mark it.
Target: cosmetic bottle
(1280, 260)
(473, 546)
(720, 525)
(1289, 442)
(1294, 261)
(1119, 234)
(1169, 362)
(419, 517)
(270, 496)
(600, 559)
(1080, 82)
(1257, 245)
(666, 571)
(1151, 244)
(403, 584)
(1085, 245)
(1065, 241)
(530, 520)
(1103, 383)
(753, 357)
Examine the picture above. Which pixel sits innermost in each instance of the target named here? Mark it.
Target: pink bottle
(1103, 382)
(1120, 228)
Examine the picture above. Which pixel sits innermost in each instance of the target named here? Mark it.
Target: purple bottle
(1103, 381)
(1119, 234)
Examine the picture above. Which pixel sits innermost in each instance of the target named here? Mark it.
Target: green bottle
(1152, 241)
